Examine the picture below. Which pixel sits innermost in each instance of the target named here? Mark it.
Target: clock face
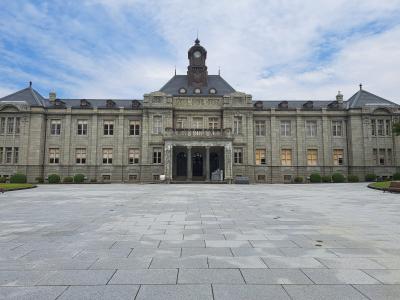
(197, 54)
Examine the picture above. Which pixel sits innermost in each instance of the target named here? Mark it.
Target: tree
(396, 128)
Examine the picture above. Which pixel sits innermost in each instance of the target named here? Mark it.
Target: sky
(271, 49)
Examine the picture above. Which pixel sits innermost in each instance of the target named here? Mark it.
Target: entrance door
(214, 161)
(197, 164)
(181, 164)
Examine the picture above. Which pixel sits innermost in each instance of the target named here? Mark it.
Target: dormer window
(110, 104)
(197, 91)
(85, 103)
(213, 91)
(182, 91)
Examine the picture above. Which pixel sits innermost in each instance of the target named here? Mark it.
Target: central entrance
(197, 161)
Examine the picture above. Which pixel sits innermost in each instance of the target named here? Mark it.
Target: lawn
(380, 185)
(15, 186)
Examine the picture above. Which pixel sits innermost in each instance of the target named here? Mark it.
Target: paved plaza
(223, 242)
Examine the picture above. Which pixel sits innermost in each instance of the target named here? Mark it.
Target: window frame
(54, 156)
(312, 157)
(261, 128)
(238, 155)
(286, 157)
(82, 127)
(134, 128)
(261, 157)
(55, 127)
(285, 128)
(133, 156)
(157, 155)
(108, 127)
(80, 156)
(107, 156)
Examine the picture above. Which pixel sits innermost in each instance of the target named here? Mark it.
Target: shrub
(353, 178)
(298, 179)
(315, 178)
(39, 179)
(79, 178)
(68, 179)
(54, 178)
(326, 179)
(18, 178)
(3, 179)
(370, 177)
(337, 178)
(396, 176)
(93, 180)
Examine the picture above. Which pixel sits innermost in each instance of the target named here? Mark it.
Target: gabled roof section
(177, 82)
(363, 98)
(28, 95)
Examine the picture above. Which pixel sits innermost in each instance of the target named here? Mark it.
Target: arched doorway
(214, 162)
(181, 164)
(197, 161)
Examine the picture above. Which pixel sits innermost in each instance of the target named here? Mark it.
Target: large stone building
(194, 128)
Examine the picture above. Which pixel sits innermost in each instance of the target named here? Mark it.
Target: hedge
(79, 178)
(315, 178)
(298, 179)
(18, 178)
(337, 178)
(396, 176)
(39, 179)
(54, 178)
(326, 179)
(68, 179)
(353, 178)
(370, 177)
(3, 179)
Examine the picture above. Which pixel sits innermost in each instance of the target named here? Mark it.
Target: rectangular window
(389, 157)
(286, 157)
(381, 127)
(237, 125)
(373, 127)
(260, 157)
(285, 128)
(133, 156)
(213, 123)
(238, 155)
(311, 128)
(382, 157)
(106, 177)
(1, 154)
(312, 157)
(181, 123)
(8, 155)
(156, 155)
(80, 156)
(17, 125)
(260, 128)
(10, 125)
(54, 156)
(2, 125)
(16, 155)
(338, 155)
(55, 127)
(157, 124)
(375, 155)
(107, 156)
(388, 127)
(197, 122)
(108, 127)
(134, 128)
(337, 128)
(133, 177)
(82, 127)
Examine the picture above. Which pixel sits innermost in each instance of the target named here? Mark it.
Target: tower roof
(364, 98)
(28, 95)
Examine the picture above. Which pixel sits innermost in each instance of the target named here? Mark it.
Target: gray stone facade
(194, 125)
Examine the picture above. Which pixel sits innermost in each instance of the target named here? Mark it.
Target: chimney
(52, 97)
(339, 98)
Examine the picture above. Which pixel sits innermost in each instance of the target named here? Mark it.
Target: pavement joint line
(354, 287)
(111, 276)
(63, 292)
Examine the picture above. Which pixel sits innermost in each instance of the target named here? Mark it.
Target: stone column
(168, 150)
(207, 163)
(189, 163)
(228, 162)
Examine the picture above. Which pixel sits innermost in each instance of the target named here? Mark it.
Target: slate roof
(364, 98)
(99, 103)
(293, 104)
(180, 81)
(28, 95)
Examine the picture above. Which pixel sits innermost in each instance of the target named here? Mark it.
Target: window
(260, 128)
(338, 157)
(106, 177)
(181, 123)
(55, 127)
(107, 156)
(16, 155)
(213, 123)
(157, 124)
(260, 157)
(238, 155)
(237, 125)
(213, 91)
(375, 155)
(80, 154)
(1, 154)
(54, 156)
(156, 155)
(389, 157)
(286, 157)
(108, 127)
(133, 156)
(311, 128)
(182, 91)
(388, 127)
(382, 157)
(197, 122)
(133, 177)
(285, 128)
(10, 125)
(2, 125)
(156, 177)
(373, 127)
(381, 128)
(337, 128)
(312, 157)
(197, 91)
(8, 155)
(82, 127)
(17, 125)
(261, 178)
(134, 128)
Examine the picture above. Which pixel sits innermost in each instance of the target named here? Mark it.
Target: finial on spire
(219, 70)
(175, 70)
(360, 86)
(30, 83)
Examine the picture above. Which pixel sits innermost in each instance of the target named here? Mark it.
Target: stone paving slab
(175, 292)
(326, 292)
(275, 276)
(146, 276)
(385, 276)
(31, 293)
(379, 292)
(236, 262)
(339, 276)
(215, 276)
(249, 292)
(77, 277)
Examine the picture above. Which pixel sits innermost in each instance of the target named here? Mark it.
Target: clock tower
(197, 69)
